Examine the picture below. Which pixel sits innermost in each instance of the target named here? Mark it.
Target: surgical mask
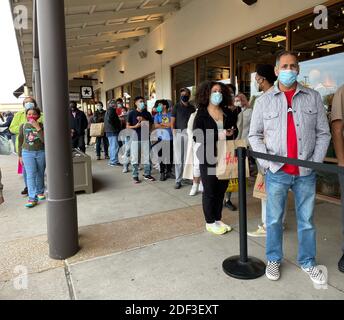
(142, 106)
(159, 108)
(257, 86)
(216, 98)
(185, 99)
(287, 77)
(119, 105)
(237, 104)
(29, 105)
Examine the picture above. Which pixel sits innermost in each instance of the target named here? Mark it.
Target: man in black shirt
(140, 121)
(180, 117)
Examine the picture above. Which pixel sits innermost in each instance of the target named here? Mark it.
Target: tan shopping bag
(97, 129)
(259, 191)
(227, 162)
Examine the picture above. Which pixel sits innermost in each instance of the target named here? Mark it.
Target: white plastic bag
(6, 146)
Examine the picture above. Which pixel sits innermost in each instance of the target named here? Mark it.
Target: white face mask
(237, 104)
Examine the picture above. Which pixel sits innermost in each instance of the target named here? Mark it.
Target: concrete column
(62, 205)
(37, 75)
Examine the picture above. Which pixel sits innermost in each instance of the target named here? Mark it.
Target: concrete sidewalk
(148, 242)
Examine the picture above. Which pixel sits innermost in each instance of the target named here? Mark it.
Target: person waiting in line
(78, 124)
(7, 118)
(18, 120)
(99, 117)
(192, 166)
(290, 121)
(234, 111)
(180, 116)
(140, 121)
(264, 82)
(89, 121)
(162, 122)
(112, 128)
(213, 122)
(337, 118)
(244, 117)
(32, 155)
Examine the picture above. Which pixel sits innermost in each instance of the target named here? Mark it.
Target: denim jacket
(268, 131)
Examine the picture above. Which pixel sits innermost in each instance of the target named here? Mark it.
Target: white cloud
(12, 76)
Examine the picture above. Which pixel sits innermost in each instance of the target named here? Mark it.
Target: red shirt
(291, 136)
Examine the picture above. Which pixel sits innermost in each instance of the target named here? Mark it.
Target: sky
(12, 76)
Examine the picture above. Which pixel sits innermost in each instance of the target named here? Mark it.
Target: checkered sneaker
(316, 275)
(272, 271)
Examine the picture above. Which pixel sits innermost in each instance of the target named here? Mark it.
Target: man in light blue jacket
(290, 121)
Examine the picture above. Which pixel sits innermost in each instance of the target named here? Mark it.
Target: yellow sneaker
(226, 226)
(216, 229)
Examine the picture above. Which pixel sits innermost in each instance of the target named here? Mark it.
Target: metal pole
(62, 207)
(242, 266)
(241, 152)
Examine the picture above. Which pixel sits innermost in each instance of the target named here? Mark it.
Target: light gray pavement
(185, 263)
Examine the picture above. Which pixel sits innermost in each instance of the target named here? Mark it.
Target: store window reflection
(150, 91)
(321, 56)
(260, 49)
(127, 95)
(215, 66)
(118, 92)
(184, 76)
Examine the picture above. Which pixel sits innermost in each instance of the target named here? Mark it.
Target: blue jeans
(113, 147)
(277, 186)
(34, 162)
(136, 149)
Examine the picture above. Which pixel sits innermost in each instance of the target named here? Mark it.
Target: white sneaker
(200, 188)
(226, 226)
(216, 229)
(194, 190)
(316, 275)
(260, 232)
(272, 270)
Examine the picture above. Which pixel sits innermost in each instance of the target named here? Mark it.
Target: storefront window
(118, 92)
(109, 95)
(321, 56)
(215, 66)
(260, 49)
(137, 88)
(150, 91)
(184, 76)
(127, 95)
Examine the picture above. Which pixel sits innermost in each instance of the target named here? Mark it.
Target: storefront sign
(86, 92)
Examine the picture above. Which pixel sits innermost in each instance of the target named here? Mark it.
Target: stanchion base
(252, 269)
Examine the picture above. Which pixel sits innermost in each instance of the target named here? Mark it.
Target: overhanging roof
(97, 30)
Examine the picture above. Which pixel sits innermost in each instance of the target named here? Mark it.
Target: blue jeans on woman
(34, 162)
(277, 185)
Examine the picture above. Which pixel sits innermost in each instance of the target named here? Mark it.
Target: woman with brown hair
(213, 122)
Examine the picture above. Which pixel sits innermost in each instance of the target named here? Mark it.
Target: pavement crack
(69, 281)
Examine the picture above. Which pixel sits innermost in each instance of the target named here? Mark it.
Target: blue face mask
(216, 98)
(29, 105)
(287, 77)
(142, 106)
(159, 108)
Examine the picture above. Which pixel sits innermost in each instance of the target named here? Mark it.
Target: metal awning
(19, 91)
(97, 30)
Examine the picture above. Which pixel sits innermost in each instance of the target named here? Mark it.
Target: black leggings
(166, 160)
(213, 194)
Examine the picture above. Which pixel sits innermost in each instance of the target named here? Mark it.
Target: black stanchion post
(243, 267)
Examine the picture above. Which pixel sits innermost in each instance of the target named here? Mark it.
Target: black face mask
(73, 109)
(185, 99)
